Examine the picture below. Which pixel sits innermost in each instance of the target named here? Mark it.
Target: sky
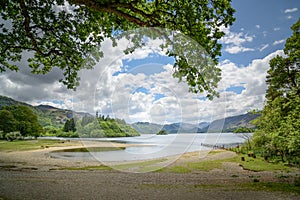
(140, 86)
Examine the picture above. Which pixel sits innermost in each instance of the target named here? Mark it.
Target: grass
(252, 164)
(206, 165)
(179, 169)
(255, 186)
(259, 164)
(25, 145)
(213, 152)
(270, 187)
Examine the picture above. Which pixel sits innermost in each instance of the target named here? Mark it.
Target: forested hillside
(67, 123)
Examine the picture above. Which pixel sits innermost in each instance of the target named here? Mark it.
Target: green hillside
(229, 124)
(54, 119)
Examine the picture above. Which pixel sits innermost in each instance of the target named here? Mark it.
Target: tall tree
(70, 125)
(7, 121)
(284, 73)
(26, 121)
(65, 34)
(279, 125)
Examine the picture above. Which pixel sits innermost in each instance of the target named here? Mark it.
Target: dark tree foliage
(70, 125)
(162, 132)
(284, 73)
(22, 119)
(7, 121)
(278, 132)
(68, 34)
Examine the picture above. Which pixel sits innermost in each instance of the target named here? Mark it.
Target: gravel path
(117, 185)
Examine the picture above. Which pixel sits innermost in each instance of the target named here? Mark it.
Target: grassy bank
(26, 145)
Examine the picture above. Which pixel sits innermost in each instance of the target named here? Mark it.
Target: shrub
(13, 136)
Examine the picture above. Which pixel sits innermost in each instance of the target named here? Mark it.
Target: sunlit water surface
(153, 146)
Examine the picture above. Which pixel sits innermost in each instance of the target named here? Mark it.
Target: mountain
(6, 101)
(228, 124)
(147, 127)
(152, 128)
(47, 115)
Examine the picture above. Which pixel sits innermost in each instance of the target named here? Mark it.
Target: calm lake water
(153, 146)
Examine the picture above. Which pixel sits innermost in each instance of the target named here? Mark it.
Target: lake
(153, 146)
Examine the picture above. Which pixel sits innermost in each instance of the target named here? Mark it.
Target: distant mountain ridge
(228, 124)
(48, 115)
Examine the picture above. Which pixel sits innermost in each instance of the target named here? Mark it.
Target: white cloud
(237, 49)
(278, 42)
(291, 10)
(257, 26)
(234, 41)
(276, 29)
(235, 38)
(252, 78)
(118, 95)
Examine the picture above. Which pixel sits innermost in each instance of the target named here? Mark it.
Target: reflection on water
(156, 146)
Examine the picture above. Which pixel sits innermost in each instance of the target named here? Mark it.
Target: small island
(162, 132)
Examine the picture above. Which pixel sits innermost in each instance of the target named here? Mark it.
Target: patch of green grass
(297, 181)
(179, 169)
(213, 152)
(209, 186)
(259, 164)
(270, 186)
(254, 186)
(252, 164)
(3, 198)
(282, 176)
(25, 145)
(206, 165)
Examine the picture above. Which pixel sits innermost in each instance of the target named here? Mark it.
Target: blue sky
(140, 86)
(265, 22)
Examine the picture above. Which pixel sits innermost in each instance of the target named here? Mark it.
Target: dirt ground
(32, 175)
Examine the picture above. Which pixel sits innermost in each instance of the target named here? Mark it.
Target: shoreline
(29, 171)
(41, 159)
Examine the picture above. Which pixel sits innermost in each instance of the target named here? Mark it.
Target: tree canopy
(21, 119)
(278, 132)
(65, 33)
(284, 73)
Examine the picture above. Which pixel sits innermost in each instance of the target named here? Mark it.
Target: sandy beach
(35, 174)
